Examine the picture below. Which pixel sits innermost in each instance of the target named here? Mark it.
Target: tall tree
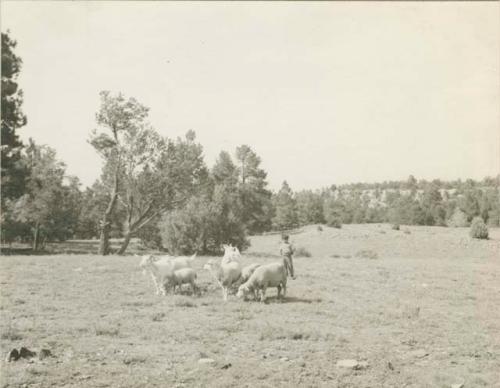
(159, 175)
(309, 208)
(254, 196)
(13, 172)
(47, 207)
(120, 119)
(286, 208)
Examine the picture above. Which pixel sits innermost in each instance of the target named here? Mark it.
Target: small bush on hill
(335, 222)
(478, 229)
(302, 252)
(367, 254)
(458, 219)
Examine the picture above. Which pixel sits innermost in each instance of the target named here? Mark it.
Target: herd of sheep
(169, 273)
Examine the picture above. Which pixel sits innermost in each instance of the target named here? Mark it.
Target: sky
(325, 93)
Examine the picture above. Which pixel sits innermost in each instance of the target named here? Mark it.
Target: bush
(203, 225)
(395, 227)
(458, 219)
(478, 229)
(302, 252)
(335, 222)
(319, 228)
(367, 254)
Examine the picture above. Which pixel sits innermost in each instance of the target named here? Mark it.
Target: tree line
(162, 191)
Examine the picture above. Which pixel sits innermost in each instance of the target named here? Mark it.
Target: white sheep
(162, 268)
(268, 275)
(180, 277)
(247, 271)
(228, 271)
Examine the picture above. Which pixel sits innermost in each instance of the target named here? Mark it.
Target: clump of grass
(184, 302)
(130, 360)
(109, 331)
(382, 231)
(319, 228)
(367, 254)
(335, 256)
(35, 372)
(157, 317)
(11, 334)
(302, 252)
(271, 333)
(407, 231)
(395, 227)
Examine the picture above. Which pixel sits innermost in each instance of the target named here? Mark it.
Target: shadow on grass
(23, 252)
(292, 299)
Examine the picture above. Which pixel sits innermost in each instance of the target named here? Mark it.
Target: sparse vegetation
(367, 254)
(302, 252)
(334, 309)
(111, 331)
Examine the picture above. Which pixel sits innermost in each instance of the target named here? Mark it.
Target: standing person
(287, 250)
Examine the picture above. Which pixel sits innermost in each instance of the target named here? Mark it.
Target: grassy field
(424, 313)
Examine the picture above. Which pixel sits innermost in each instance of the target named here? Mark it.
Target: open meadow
(419, 307)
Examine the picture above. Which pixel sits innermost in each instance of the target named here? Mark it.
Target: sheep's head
(146, 261)
(231, 253)
(209, 265)
(243, 291)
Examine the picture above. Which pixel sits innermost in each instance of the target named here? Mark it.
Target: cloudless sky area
(325, 93)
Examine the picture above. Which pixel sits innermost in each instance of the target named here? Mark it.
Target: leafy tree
(254, 196)
(458, 219)
(146, 173)
(432, 206)
(309, 208)
(206, 222)
(161, 182)
(285, 206)
(49, 208)
(122, 118)
(225, 171)
(13, 171)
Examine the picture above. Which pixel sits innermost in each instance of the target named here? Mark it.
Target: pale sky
(325, 93)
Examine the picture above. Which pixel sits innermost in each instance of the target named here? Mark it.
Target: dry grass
(425, 313)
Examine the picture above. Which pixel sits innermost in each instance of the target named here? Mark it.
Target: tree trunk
(125, 243)
(36, 237)
(106, 222)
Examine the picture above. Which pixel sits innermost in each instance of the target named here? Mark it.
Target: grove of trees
(161, 190)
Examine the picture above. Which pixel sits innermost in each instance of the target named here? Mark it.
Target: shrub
(478, 229)
(458, 219)
(203, 225)
(335, 222)
(367, 254)
(319, 228)
(395, 227)
(302, 252)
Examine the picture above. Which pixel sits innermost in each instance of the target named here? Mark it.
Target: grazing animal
(180, 277)
(265, 276)
(247, 271)
(162, 268)
(228, 271)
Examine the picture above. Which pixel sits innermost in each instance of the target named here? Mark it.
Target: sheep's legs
(263, 295)
(158, 287)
